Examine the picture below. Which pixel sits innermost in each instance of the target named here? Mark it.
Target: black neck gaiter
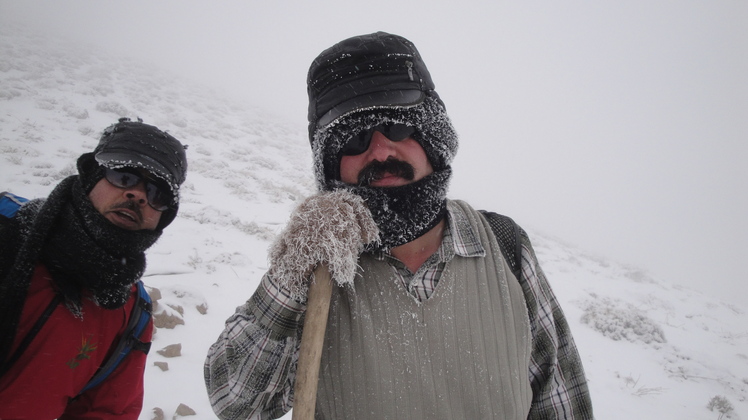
(87, 252)
(404, 213)
(81, 249)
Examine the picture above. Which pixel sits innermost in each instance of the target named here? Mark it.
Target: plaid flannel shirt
(250, 370)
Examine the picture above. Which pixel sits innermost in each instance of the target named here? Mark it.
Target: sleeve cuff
(274, 309)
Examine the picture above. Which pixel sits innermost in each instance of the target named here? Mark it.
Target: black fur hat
(368, 80)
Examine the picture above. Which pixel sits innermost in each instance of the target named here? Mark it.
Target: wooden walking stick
(310, 353)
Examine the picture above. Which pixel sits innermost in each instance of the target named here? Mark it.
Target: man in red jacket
(84, 247)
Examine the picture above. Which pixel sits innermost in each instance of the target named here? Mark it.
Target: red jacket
(64, 355)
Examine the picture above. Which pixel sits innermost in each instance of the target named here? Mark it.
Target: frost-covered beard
(407, 212)
(402, 213)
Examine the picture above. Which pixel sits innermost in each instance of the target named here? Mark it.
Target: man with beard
(431, 322)
(70, 267)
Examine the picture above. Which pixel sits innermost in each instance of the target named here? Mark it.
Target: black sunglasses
(361, 141)
(159, 195)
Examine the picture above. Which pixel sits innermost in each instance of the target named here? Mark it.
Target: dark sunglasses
(159, 195)
(361, 141)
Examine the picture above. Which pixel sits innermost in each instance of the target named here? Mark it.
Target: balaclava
(376, 79)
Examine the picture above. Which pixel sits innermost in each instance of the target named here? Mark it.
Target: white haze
(619, 126)
(652, 349)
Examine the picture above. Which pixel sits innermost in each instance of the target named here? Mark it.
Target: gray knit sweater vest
(462, 354)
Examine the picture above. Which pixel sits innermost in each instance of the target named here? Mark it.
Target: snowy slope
(651, 350)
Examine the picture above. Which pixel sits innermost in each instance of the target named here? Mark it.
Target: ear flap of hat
(168, 216)
(89, 171)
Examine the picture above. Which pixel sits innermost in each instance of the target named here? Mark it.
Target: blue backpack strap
(9, 204)
(130, 340)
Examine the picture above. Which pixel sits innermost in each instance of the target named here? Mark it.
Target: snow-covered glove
(330, 227)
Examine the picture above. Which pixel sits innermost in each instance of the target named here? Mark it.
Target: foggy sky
(621, 128)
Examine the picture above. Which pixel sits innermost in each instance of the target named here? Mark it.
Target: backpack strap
(130, 340)
(9, 205)
(507, 234)
(32, 333)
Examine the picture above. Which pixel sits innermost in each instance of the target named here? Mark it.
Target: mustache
(375, 170)
(130, 205)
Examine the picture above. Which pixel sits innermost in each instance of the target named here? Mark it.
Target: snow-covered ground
(652, 350)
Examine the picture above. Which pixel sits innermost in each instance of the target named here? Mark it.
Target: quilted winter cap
(133, 144)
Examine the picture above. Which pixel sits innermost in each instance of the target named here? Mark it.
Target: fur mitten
(332, 228)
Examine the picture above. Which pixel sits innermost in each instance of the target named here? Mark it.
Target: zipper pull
(409, 64)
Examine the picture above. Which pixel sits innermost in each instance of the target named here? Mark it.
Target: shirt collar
(464, 240)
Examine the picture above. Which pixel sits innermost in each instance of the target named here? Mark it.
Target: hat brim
(126, 158)
(388, 98)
